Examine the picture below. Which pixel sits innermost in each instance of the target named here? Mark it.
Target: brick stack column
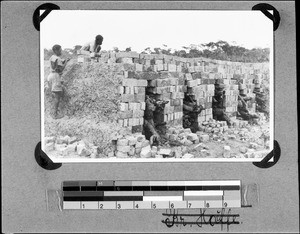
(132, 94)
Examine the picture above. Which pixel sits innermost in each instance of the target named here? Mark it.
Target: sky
(140, 29)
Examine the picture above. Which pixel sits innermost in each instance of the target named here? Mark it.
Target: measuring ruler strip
(151, 194)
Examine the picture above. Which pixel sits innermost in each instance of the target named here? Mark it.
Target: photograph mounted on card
(156, 86)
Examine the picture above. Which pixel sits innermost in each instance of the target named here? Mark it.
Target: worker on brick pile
(191, 112)
(243, 111)
(219, 112)
(55, 82)
(94, 46)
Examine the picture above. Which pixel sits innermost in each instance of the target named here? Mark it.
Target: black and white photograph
(156, 86)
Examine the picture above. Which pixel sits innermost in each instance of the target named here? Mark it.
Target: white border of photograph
(134, 160)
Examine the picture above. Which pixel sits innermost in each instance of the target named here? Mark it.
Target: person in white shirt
(55, 82)
(93, 46)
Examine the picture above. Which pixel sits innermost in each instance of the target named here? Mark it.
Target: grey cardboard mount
(24, 182)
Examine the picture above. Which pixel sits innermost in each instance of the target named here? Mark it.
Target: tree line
(220, 50)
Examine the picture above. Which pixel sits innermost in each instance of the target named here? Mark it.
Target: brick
(181, 81)
(139, 90)
(145, 143)
(125, 114)
(122, 142)
(139, 97)
(187, 156)
(128, 97)
(136, 121)
(121, 89)
(133, 106)
(172, 68)
(120, 154)
(123, 106)
(175, 95)
(179, 68)
(137, 114)
(160, 67)
(167, 152)
(198, 68)
(192, 137)
(173, 81)
(123, 148)
(158, 61)
(129, 90)
(143, 105)
(146, 152)
(192, 83)
(141, 83)
(188, 76)
(139, 67)
(129, 82)
(130, 122)
(204, 138)
(165, 67)
(138, 145)
(124, 60)
(130, 54)
(161, 90)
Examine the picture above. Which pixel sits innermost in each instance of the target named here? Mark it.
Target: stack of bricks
(201, 93)
(129, 145)
(168, 89)
(231, 99)
(249, 82)
(166, 83)
(132, 93)
(199, 85)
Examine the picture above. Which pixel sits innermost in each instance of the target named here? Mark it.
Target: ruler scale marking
(110, 194)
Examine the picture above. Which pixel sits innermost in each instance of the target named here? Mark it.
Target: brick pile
(132, 102)
(170, 78)
(166, 83)
(213, 126)
(130, 146)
